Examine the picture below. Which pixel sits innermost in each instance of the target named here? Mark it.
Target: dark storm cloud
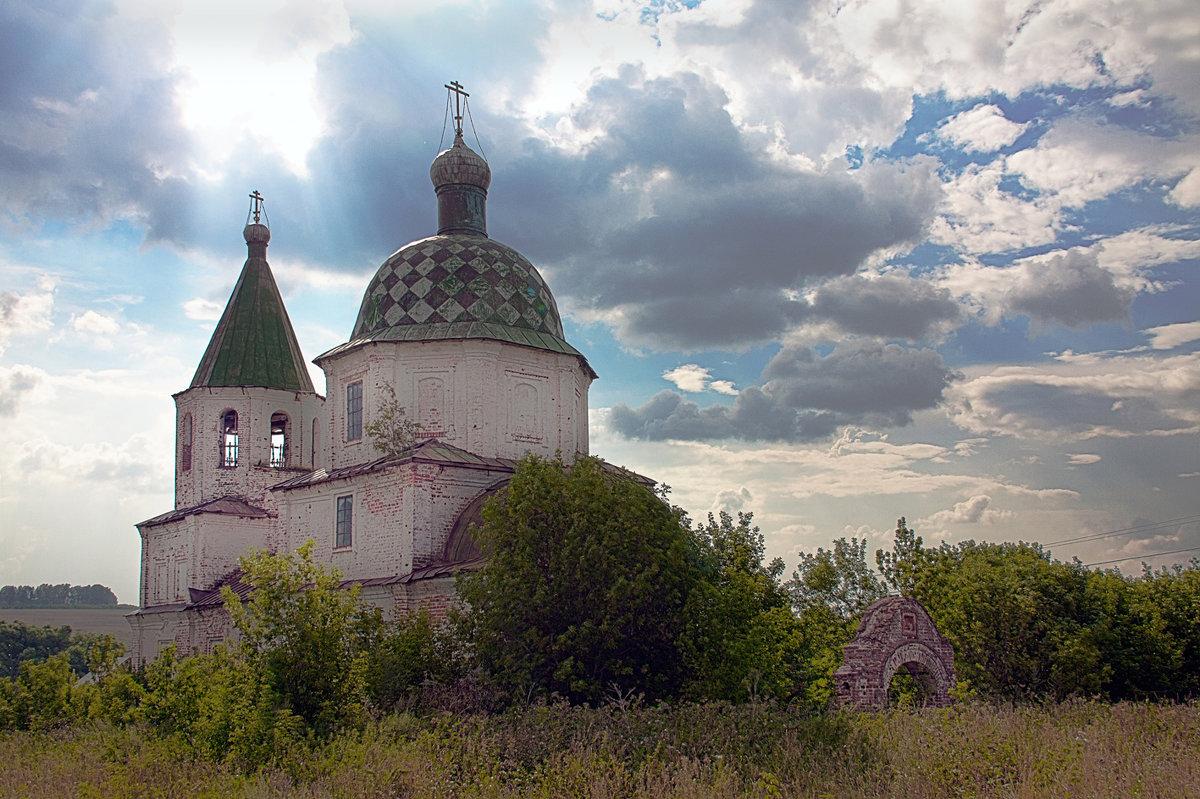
(87, 119)
(894, 305)
(1086, 410)
(671, 215)
(1071, 290)
(804, 397)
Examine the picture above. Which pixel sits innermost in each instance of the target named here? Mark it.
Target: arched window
(185, 444)
(229, 439)
(279, 440)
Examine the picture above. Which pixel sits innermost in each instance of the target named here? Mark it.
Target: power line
(1142, 557)
(1124, 531)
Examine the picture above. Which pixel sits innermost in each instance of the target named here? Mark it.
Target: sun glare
(250, 73)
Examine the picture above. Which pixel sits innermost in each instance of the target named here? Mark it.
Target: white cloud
(1130, 254)
(96, 324)
(202, 310)
(1080, 397)
(975, 510)
(253, 69)
(732, 500)
(15, 382)
(978, 216)
(694, 378)
(1187, 191)
(689, 377)
(1080, 161)
(24, 314)
(1083, 458)
(1063, 287)
(983, 129)
(1168, 337)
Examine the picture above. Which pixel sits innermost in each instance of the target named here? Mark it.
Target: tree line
(64, 595)
(597, 591)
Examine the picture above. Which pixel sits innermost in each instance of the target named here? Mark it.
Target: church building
(464, 332)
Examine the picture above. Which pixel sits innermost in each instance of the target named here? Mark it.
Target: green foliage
(41, 696)
(390, 430)
(829, 592)
(584, 590)
(304, 639)
(741, 638)
(221, 706)
(413, 652)
(838, 579)
(899, 567)
(21, 642)
(1026, 627)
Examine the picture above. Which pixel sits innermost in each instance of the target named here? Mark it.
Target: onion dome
(254, 344)
(459, 284)
(461, 178)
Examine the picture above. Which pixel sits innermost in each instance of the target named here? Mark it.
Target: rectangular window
(345, 522)
(354, 399)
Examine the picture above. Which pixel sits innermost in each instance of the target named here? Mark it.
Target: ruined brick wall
(402, 516)
(894, 632)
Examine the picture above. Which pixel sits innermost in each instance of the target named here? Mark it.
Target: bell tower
(247, 418)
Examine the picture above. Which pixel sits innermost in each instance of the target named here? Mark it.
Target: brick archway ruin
(895, 632)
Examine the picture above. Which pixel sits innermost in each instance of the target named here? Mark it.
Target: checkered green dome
(460, 286)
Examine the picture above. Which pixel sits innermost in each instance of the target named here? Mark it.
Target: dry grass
(1070, 750)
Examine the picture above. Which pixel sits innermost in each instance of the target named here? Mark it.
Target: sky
(834, 262)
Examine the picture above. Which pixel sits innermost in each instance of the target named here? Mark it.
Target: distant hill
(64, 595)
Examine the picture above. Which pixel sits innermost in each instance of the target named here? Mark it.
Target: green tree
(838, 579)
(306, 637)
(585, 585)
(390, 430)
(413, 651)
(900, 566)
(20, 642)
(741, 638)
(829, 591)
(1023, 626)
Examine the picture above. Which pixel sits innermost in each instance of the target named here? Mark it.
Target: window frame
(354, 411)
(230, 441)
(284, 448)
(343, 522)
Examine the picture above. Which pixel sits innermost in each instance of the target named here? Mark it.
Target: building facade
(460, 330)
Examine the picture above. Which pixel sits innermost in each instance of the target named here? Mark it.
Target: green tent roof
(254, 344)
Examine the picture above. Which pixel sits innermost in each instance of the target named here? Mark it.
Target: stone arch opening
(896, 635)
(911, 686)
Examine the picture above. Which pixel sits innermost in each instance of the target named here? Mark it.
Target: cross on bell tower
(256, 205)
(459, 94)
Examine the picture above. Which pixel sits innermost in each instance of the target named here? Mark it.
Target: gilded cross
(459, 94)
(256, 204)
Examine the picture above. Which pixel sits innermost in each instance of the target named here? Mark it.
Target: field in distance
(80, 620)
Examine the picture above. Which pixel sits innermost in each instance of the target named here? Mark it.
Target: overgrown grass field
(1075, 749)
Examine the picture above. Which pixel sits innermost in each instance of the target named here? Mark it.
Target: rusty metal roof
(230, 506)
(430, 451)
(202, 597)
